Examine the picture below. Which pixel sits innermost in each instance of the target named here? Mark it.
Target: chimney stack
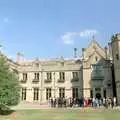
(83, 53)
(75, 52)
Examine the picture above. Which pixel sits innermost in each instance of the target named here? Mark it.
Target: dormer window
(36, 76)
(24, 76)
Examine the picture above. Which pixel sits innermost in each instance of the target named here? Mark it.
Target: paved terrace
(31, 106)
(48, 106)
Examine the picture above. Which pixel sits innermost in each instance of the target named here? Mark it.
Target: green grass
(63, 114)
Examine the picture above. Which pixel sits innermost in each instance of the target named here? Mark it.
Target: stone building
(89, 75)
(115, 48)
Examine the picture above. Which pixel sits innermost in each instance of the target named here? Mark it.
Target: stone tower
(115, 45)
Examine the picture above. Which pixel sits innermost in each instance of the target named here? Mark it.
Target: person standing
(51, 102)
(114, 101)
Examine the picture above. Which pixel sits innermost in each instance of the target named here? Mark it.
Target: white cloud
(6, 20)
(88, 33)
(68, 37)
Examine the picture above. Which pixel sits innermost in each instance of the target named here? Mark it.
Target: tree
(9, 85)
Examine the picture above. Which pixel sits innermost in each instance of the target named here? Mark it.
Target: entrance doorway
(98, 95)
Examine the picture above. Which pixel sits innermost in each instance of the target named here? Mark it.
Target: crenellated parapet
(115, 37)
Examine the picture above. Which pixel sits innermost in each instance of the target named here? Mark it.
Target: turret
(115, 45)
(20, 56)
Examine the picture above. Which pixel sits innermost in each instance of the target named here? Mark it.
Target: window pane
(62, 75)
(48, 93)
(36, 94)
(75, 92)
(75, 74)
(23, 93)
(61, 92)
(36, 76)
(49, 76)
(24, 76)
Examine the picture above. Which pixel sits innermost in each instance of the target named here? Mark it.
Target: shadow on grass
(6, 112)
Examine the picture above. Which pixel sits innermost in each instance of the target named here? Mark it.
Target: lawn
(63, 114)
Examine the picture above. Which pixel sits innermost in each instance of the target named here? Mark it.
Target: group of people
(82, 102)
(106, 102)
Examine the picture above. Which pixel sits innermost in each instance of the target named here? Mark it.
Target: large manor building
(94, 74)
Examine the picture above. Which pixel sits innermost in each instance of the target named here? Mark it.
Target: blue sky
(52, 28)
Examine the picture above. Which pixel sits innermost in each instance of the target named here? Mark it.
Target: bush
(9, 87)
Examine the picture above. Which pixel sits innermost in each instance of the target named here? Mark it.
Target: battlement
(116, 36)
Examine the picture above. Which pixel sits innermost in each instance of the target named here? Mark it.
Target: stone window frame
(35, 93)
(25, 76)
(48, 93)
(36, 76)
(23, 93)
(62, 92)
(62, 75)
(49, 75)
(75, 92)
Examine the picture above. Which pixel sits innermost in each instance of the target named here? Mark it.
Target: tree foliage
(9, 85)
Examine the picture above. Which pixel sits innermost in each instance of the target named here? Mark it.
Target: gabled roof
(95, 43)
(93, 55)
(94, 46)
